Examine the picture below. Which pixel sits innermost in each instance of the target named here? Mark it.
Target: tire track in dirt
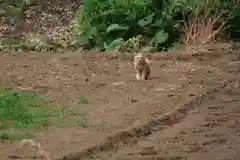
(130, 136)
(125, 137)
(210, 132)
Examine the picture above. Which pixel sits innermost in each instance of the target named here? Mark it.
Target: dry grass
(203, 26)
(200, 31)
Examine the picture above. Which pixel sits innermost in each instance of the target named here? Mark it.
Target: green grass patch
(22, 112)
(12, 136)
(83, 100)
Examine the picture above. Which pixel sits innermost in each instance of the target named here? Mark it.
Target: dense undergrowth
(132, 25)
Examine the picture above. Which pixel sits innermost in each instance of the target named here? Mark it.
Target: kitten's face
(139, 58)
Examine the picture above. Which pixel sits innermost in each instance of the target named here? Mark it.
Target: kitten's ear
(148, 56)
(148, 59)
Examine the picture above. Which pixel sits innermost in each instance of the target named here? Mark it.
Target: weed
(11, 136)
(83, 122)
(83, 100)
(202, 26)
(23, 111)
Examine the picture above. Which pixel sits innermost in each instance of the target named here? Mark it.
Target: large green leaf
(115, 44)
(161, 36)
(146, 20)
(83, 39)
(116, 27)
(158, 23)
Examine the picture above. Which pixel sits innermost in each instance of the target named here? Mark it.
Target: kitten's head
(139, 58)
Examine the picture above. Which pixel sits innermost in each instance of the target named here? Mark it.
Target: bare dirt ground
(186, 110)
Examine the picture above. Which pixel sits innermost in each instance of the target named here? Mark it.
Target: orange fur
(142, 67)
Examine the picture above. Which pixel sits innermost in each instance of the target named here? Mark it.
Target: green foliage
(234, 21)
(11, 136)
(84, 100)
(14, 111)
(23, 111)
(109, 24)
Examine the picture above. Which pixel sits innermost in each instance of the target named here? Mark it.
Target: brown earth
(186, 110)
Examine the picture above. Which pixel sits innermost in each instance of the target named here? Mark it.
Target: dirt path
(131, 111)
(211, 131)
